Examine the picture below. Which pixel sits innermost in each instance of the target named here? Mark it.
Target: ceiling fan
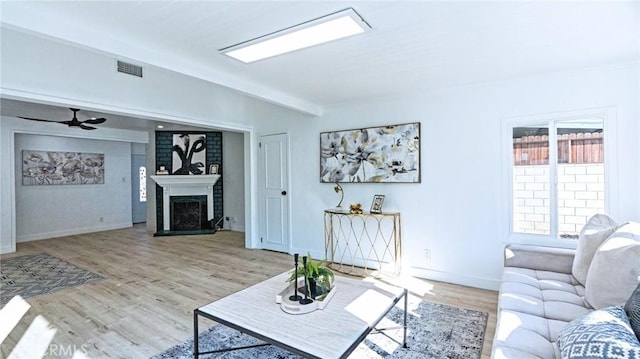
(74, 122)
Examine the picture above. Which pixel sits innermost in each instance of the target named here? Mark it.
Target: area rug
(37, 274)
(434, 331)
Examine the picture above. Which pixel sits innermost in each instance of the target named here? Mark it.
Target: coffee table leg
(404, 336)
(195, 334)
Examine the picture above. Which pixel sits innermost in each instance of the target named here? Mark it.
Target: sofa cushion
(545, 294)
(550, 259)
(538, 297)
(613, 274)
(597, 229)
(632, 308)
(604, 333)
(520, 333)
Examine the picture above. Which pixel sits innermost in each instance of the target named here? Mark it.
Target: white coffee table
(357, 306)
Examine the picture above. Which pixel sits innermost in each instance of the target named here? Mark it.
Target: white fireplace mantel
(184, 185)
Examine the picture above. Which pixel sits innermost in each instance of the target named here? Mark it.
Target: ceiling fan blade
(37, 119)
(95, 121)
(85, 127)
(74, 122)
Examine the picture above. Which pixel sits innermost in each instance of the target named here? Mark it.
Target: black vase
(313, 288)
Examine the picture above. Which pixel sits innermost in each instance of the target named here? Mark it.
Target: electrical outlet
(427, 254)
(101, 219)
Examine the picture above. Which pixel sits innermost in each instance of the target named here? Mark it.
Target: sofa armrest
(539, 258)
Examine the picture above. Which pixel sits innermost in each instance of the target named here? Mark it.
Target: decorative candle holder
(295, 296)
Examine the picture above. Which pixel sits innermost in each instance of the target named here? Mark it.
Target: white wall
(61, 210)
(10, 130)
(458, 210)
(138, 149)
(151, 224)
(73, 75)
(233, 180)
(306, 231)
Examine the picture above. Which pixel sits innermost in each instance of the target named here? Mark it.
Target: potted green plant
(319, 277)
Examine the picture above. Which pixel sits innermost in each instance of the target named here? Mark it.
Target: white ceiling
(414, 46)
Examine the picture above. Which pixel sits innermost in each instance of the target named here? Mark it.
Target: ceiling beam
(41, 26)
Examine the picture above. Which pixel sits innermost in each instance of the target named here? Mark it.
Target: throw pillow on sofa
(601, 334)
(632, 308)
(613, 274)
(597, 229)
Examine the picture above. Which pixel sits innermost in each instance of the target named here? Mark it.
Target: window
(142, 171)
(557, 175)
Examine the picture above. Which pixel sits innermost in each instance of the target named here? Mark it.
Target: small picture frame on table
(213, 169)
(376, 205)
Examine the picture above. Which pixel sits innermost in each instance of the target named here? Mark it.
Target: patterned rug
(434, 331)
(37, 274)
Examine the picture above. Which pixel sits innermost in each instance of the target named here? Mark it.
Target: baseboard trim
(71, 232)
(236, 228)
(455, 278)
(7, 249)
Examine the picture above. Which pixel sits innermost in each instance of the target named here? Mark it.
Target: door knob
(284, 193)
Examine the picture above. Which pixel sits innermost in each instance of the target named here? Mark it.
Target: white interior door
(274, 197)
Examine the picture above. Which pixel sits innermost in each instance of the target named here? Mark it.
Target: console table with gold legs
(363, 244)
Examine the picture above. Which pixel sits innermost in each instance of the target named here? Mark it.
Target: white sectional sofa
(544, 289)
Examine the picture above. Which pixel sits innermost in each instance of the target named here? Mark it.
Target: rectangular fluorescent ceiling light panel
(327, 28)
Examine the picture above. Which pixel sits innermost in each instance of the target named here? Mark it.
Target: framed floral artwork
(54, 168)
(374, 154)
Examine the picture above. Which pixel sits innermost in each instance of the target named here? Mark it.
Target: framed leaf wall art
(374, 154)
(61, 168)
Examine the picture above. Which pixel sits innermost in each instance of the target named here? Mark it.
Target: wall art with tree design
(189, 154)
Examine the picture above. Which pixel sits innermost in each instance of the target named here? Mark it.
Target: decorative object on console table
(355, 208)
(338, 189)
(374, 154)
(189, 153)
(213, 169)
(376, 205)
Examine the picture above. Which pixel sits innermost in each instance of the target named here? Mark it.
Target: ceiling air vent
(130, 69)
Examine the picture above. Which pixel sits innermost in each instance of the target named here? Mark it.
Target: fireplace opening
(188, 213)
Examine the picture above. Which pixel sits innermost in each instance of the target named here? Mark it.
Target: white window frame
(608, 115)
(142, 185)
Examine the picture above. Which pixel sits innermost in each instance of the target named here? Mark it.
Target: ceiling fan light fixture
(339, 25)
(74, 122)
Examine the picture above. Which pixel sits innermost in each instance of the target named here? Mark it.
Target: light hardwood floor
(152, 285)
